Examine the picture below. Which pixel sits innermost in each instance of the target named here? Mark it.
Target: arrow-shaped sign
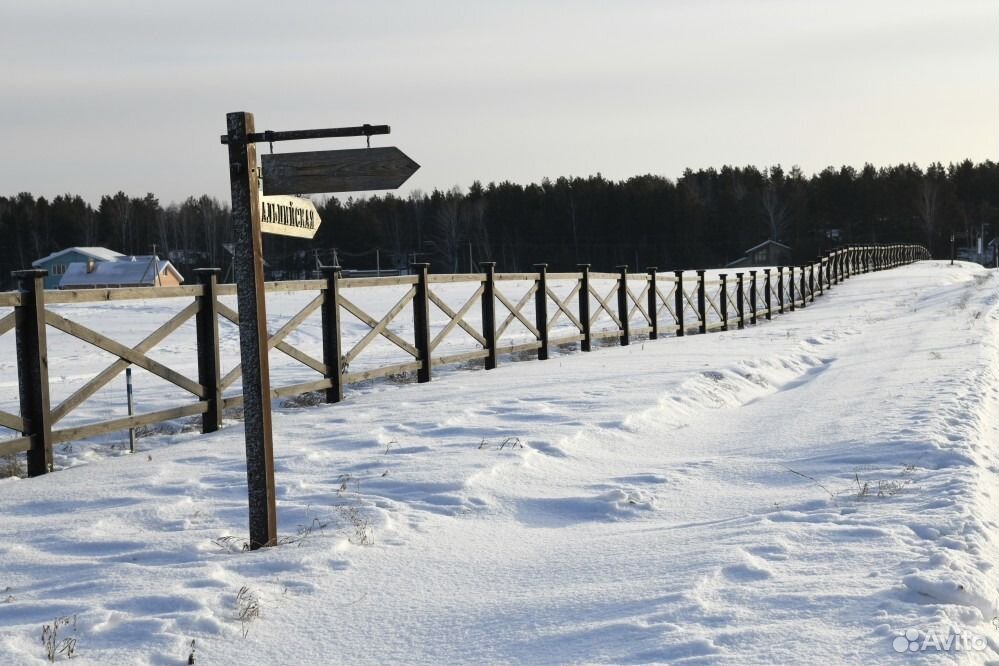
(336, 170)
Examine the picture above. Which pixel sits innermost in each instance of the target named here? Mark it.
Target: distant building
(137, 271)
(767, 253)
(58, 262)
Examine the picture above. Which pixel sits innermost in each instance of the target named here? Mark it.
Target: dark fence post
(678, 302)
(701, 306)
(489, 312)
(804, 296)
(740, 304)
(584, 307)
(541, 310)
(767, 298)
(723, 300)
(752, 297)
(206, 324)
(653, 304)
(332, 341)
(32, 368)
(622, 304)
(421, 321)
(790, 287)
(811, 282)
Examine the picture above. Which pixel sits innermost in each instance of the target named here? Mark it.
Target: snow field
(806, 489)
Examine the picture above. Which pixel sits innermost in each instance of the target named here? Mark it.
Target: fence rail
(519, 312)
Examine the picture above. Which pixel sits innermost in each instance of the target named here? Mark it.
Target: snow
(806, 489)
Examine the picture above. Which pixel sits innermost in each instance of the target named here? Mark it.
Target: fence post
(804, 296)
(584, 307)
(421, 321)
(790, 287)
(541, 310)
(489, 312)
(723, 300)
(767, 299)
(332, 341)
(653, 304)
(780, 290)
(130, 403)
(206, 325)
(622, 304)
(678, 302)
(32, 368)
(740, 305)
(752, 297)
(701, 308)
(811, 282)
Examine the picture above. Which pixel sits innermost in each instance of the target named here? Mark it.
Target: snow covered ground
(806, 490)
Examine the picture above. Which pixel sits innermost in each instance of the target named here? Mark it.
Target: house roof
(98, 253)
(767, 242)
(126, 271)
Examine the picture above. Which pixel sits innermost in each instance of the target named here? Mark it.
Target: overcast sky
(104, 95)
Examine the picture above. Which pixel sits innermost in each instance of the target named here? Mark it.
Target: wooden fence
(649, 304)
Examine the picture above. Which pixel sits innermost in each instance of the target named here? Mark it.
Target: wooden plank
(515, 311)
(456, 277)
(302, 388)
(12, 421)
(7, 323)
(460, 358)
(302, 357)
(564, 276)
(119, 294)
(9, 447)
(126, 422)
(274, 341)
(121, 351)
(275, 338)
(356, 283)
(602, 305)
(598, 335)
(563, 309)
(375, 373)
(112, 371)
(11, 299)
(518, 277)
(604, 276)
(457, 318)
(349, 170)
(230, 377)
(565, 339)
(638, 303)
(379, 327)
(513, 349)
(294, 285)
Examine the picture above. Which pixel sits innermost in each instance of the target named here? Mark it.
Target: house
(57, 262)
(767, 253)
(135, 271)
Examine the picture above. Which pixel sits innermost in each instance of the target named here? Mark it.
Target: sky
(115, 95)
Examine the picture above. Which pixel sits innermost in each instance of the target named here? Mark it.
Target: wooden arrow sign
(288, 216)
(336, 170)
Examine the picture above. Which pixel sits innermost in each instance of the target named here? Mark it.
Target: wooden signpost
(326, 171)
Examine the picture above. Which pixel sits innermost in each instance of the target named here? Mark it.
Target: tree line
(705, 218)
